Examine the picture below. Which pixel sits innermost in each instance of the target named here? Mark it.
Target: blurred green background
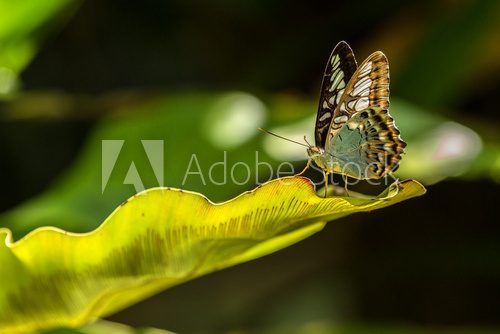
(202, 77)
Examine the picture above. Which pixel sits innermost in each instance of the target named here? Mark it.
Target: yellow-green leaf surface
(108, 327)
(157, 239)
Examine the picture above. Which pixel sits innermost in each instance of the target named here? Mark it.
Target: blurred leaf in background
(22, 25)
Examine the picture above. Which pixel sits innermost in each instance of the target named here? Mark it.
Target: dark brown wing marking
(340, 68)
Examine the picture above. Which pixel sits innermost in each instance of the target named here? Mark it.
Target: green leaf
(20, 30)
(107, 327)
(157, 239)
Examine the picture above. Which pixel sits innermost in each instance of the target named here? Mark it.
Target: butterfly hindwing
(368, 146)
(340, 68)
(368, 87)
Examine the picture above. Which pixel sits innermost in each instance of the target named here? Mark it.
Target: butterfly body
(355, 134)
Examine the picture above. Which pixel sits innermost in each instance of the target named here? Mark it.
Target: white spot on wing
(335, 59)
(353, 125)
(325, 116)
(342, 108)
(362, 87)
(324, 127)
(337, 79)
(365, 69)
(334, 74)
(340, 119)
(362, 103)
(339, 95)
(362, 81)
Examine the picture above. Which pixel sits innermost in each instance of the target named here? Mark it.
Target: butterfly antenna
(290, 140)
(305, 139)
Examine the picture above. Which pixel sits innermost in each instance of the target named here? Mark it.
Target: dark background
(430, 262)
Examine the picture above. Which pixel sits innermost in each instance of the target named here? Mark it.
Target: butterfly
(355, 135)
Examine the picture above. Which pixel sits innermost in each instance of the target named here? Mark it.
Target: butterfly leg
(326, 183)
(394, 178)
(304, 170)
(345, 187)
(397, 182)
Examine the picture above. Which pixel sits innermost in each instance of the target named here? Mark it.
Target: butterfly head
(314, 151)
(317, 154)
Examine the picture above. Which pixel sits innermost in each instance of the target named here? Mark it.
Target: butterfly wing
(368, 87)
(339, 70)
(368, 146)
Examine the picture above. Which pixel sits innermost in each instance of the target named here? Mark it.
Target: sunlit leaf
(157, 239)
(107, 327)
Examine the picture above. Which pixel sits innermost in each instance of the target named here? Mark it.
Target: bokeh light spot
(234, 119)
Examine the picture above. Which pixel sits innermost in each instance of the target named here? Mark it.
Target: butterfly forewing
(340, 68)
(367, 88)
